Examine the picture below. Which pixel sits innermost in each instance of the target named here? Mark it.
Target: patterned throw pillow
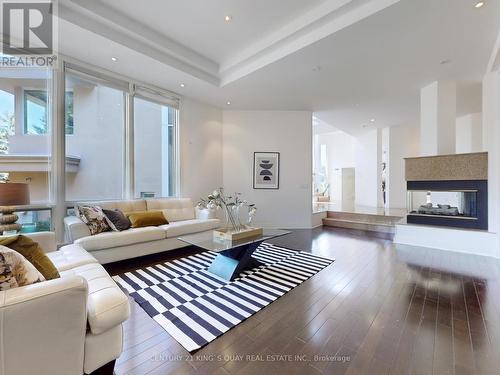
(94, 218)
(15, 270)
(33, 253)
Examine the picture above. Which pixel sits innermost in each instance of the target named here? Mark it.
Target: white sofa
(109, 247)
(67, 326)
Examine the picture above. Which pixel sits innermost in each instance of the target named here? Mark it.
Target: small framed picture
(266, 170)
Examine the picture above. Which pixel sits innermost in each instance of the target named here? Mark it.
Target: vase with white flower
(233, 207)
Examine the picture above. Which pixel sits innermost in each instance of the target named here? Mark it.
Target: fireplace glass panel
(443, 203)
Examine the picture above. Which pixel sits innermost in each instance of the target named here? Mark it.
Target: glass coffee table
(233, 256)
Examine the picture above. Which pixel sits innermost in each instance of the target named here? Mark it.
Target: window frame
(131, 89)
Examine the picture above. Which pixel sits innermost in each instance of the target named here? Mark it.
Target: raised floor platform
(381, 224)
(350, 207)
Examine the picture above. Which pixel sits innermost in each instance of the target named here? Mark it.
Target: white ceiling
(200, 26)
(348, 61)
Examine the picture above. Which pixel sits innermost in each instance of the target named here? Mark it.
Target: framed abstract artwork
(266, 170)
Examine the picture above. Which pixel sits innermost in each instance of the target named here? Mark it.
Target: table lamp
(12, 194)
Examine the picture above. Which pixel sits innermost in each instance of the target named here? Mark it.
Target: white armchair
(70, 325)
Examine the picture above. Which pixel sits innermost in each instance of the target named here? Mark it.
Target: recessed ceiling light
(228, 18)
(114, 59)
(183, 85)
(372, 120)
(445, 62)
(228, 102)
(479, 4)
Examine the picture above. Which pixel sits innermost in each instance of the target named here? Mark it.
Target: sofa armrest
(74, 229)
(46, 323)
(107, 304)
(46, 240)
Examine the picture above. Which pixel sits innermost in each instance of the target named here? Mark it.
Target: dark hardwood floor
(379, 309)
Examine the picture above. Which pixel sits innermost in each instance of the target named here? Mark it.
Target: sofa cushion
(174, 209)
(180, 228)
(107, 305)
(70, 256)
(115, 239)
(123, 205)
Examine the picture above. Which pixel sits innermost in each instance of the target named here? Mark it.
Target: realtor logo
(27, 28)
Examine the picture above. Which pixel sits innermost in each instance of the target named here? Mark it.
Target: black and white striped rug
(195, 306)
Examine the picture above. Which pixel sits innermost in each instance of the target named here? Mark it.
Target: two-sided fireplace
(449, 190)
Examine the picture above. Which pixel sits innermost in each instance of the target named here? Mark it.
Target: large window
(109, 153)
(24, 110)
(35, 221)
(95, 131)
(154, 135)
(6, 120)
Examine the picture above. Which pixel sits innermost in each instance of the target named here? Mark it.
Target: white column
(438, 107)
(403, 143)
(58, 168)
(368, 176)
(491, 130)
(469, 133)
(380, 198)
(19, 110)
(129, 176)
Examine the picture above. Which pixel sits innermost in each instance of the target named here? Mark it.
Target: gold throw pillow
(140, 219)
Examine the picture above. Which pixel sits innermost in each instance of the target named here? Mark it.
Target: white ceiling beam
(494, 62)
(315, 25)
(287, 31)
(102, 20)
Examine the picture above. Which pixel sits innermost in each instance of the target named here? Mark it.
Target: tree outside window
(35, 112)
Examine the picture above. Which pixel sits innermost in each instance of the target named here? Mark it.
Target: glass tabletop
(206, 240)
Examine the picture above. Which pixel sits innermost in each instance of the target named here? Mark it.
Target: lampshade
(14, 194)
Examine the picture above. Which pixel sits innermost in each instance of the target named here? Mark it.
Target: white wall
(340, 147)
(286, 132)
(341, 155)
(469, 133)
(200, 141)
(403, 142)
(368, 157)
